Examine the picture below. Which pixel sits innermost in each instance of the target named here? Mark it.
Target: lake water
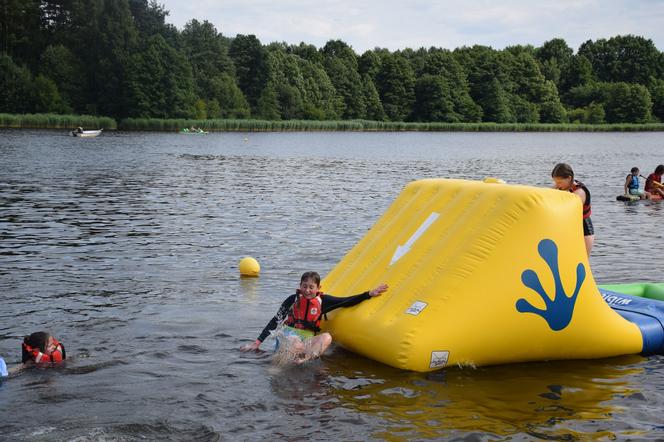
(126, 247)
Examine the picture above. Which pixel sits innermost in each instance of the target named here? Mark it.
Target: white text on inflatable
(615, 300)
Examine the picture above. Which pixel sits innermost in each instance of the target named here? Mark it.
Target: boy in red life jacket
(654, 181)
(563, 179)
(42, 349)
(302, 313)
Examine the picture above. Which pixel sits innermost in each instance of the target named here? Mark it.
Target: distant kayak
(86, 133)
(636, 198)
(193, 132)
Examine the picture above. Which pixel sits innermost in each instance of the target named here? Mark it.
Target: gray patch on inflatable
(439, 359)
(416, 308)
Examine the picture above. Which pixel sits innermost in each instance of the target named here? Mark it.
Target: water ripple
(126, 248)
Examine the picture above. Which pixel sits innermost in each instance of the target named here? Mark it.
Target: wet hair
(659, 170)
(562, 170)
(634, 170)
(310, 275)
(35, 340)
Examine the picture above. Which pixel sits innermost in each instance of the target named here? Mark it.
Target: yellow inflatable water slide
(480, 273)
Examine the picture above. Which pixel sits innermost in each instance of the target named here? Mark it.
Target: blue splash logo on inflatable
(558, 313)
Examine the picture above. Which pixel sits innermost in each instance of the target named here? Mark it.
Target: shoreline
(53, 121)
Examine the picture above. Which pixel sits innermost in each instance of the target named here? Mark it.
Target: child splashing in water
(302, 312)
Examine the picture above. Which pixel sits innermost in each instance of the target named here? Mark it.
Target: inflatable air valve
(249, 267)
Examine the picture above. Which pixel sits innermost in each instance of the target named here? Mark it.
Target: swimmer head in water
(42, 348)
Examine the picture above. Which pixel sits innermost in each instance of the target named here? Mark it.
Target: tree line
(120, 58)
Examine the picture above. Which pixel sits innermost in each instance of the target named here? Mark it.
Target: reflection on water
(539, 399)
(126, 247)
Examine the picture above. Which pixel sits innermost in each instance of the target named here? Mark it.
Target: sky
(423, 23)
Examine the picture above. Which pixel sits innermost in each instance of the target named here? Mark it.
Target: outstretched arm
(382, 288)
(274, 322)
(332, 302)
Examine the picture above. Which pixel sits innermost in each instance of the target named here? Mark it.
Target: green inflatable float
(650, 290)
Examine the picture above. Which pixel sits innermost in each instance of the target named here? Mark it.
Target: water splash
(287, 352)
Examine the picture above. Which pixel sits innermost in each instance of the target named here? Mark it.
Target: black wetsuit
(328, 303)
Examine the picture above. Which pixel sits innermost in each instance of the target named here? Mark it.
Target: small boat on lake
(79, 132)
(193, 131)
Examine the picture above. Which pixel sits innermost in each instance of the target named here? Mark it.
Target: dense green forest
(120, 58)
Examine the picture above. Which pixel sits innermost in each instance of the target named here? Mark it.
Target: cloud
(416, 23)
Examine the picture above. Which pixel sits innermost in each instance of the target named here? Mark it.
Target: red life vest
(587, 210)
(306, 313)
(41, 358)
(652, 178)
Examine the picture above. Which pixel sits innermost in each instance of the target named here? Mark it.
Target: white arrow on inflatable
(402, 250)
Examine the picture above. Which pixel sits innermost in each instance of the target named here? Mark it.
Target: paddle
(656, 183)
